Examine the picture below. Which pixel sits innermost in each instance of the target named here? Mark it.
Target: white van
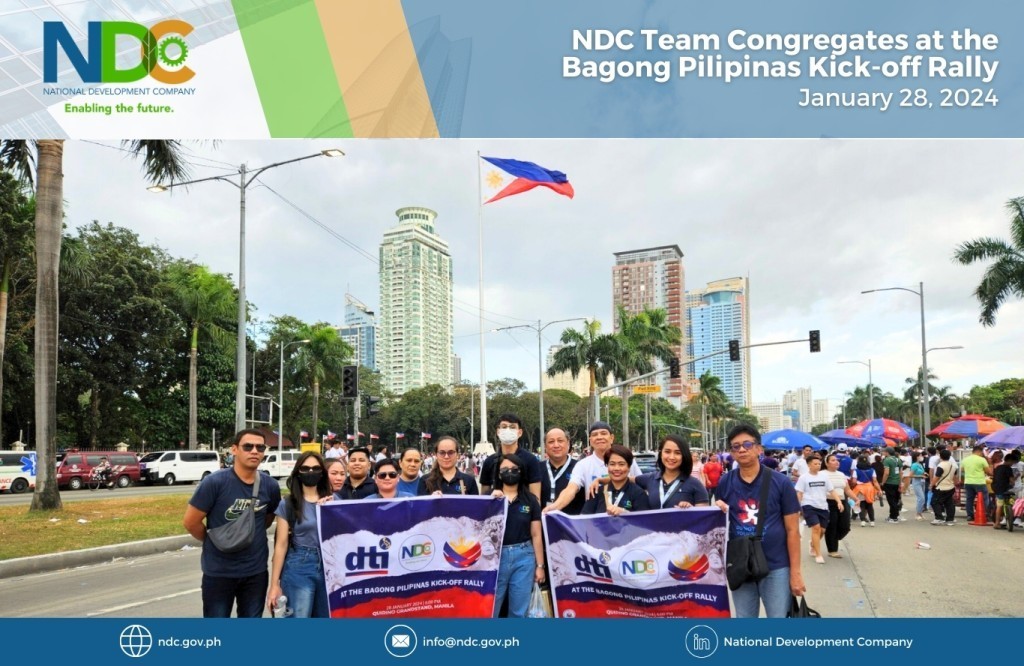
(279, 469)
(170, 467)
(17, 471)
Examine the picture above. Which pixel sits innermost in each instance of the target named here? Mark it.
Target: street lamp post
(540, 359)
(924, 380)
(924, 350)
(280, 417)
(245, 178)
(871, 390)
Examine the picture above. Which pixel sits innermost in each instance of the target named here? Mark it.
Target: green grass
(114, 521)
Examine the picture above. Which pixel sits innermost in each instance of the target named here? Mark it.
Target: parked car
(17, 471)
(647, 462)
(170, 467)
(75, 468)
(279, 468)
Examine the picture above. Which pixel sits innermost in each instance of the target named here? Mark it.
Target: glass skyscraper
(715, 315)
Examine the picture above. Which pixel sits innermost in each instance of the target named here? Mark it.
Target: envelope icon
(400, 640)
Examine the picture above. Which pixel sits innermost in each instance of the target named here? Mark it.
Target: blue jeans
(972, 491)
(773, 590)
(220, 595)
(302, 581)
(920, 493)
(515, 578)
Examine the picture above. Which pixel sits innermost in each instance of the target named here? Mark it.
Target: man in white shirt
(799, 466)
(591, 468)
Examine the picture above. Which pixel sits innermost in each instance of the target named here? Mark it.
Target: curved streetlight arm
(871, 291)
(871, 388)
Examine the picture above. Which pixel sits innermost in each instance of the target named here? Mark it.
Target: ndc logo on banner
(417, 552)
(594, 568)
(162, 49)
(639, 568)
(369, 561)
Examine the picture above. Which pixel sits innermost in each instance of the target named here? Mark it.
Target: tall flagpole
(480, 223)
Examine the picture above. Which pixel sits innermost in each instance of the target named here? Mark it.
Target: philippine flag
(502, 178)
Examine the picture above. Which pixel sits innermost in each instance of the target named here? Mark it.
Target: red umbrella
(969, 425)
(882, 428)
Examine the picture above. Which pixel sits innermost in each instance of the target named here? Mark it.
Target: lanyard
(616, 500)
(665, 493)
(555, 477)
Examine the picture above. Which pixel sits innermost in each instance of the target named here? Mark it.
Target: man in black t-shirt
(510, 429)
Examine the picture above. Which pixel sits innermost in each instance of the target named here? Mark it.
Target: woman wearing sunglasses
(444, 477)
(385, 473)
(298, 571)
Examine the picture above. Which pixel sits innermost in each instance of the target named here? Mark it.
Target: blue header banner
(794, 68)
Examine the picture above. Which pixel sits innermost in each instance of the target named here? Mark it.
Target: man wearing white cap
(845, 461)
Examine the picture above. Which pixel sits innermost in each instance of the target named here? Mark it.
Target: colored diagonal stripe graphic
(291, 65)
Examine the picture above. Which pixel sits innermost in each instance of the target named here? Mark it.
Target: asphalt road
(7, 499)
(968, 572)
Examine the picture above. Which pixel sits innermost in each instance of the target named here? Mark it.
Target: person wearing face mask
(358, 484)
(385, 472)
(510, 429)
(297, 571)
(522, 547)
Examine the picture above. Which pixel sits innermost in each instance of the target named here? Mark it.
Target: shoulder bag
(238, 534)
(745, 560)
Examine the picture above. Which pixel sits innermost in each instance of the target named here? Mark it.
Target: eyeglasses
(445, 454)
(739, 446)
(310, 468)
(387, 475)
(260, 448)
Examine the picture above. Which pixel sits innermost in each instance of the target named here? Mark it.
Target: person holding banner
(297, 571)
(675, 484)
(386, 474)
(410, 462)
(358, 484)
(739, 495)
(444, 478)
(522, 546)
(557, 471)
(620, 495)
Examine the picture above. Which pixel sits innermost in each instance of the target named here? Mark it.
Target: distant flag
(349, 437)
(399, 435)
(502, 178)
(303, 435)
(424, 435)
(331, 435)
(372, 436)
(362, 435)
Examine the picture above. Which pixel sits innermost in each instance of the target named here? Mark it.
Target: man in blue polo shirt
(740, 495)
(230, 578)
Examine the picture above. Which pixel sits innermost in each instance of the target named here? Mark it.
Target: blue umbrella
(791, 439)
(1007, 438)
(840, 436)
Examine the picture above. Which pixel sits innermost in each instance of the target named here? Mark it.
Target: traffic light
(815, 338)
(350, 382)
(734, 350)
(263, 411)
(371, 405)
(673, 368)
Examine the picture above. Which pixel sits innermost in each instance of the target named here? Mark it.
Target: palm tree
(206, 302)
(588, 350)
(642, 337)
(320, 361)
(1005, 276)
(713, 401)
(857, 407)
(945, 404)
(16, 213)
(162, 161)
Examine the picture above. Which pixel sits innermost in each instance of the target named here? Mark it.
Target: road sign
(640, 390)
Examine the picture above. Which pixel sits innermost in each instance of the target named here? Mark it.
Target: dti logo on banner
(595, 568)
(162, 49)
(368, 561)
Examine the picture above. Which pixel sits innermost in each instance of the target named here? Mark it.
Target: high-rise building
(822, 412)
(653, 278)
(563, 380)
(415, 328)
(360, 331)
(769, 414)
(716, 314)
(800, 400)
(456, 369)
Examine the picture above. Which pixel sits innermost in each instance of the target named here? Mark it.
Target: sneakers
(902, 519)
(950, 523)
(920, 517)
(872, 523)
(938, 521)
(891, 520)
(863, 523)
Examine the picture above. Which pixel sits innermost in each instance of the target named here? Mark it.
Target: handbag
(537, 606)
(745, 560)
(238, 534)
(801, 609)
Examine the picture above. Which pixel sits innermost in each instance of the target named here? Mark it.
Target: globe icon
(136, 640)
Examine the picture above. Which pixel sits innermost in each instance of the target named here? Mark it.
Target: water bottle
(280, 608)
(921, 545)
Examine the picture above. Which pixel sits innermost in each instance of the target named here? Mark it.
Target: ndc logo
(162, 51)
(590, 567)
(639, 568)
(689, 568)
(463, 553)
(367, 562)
(417, 552)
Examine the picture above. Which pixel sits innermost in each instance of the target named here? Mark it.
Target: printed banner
(665, 563)
(415, 557)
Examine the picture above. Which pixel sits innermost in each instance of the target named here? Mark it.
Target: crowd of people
(824, 492)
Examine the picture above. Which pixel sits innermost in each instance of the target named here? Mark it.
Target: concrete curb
(23, 566)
